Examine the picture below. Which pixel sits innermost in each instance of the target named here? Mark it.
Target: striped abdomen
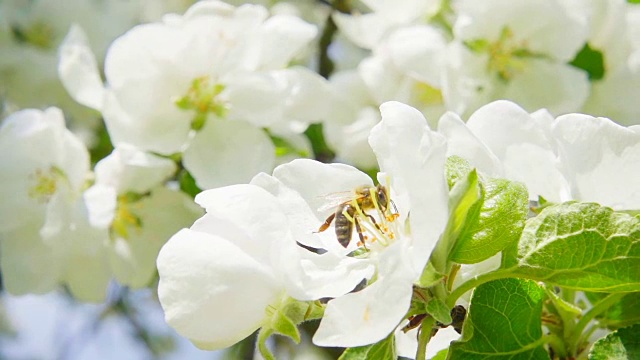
(343, 226)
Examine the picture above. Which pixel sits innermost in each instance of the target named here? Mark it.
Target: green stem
(597, 309)
(569, 295)
(475, 282)
(557, 344)
(425, 335)
(326, 66)
(263, 335)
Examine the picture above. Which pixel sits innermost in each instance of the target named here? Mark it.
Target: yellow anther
(45, 184)
(427, 95)
(202, 97)
(125, 218)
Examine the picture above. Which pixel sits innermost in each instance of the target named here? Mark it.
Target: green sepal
(465, 198)
(283, 318)
(455, 169)
(284, 325)
(439, 310)
(493, 223)
(429, 277)
(382, 350)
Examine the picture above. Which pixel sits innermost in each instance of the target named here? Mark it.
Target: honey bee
(347, 213)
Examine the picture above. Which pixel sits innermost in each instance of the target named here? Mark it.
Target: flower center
(506, 56)
(427, 95)
(45, 184)
(377, 229)
(125, 218)
(202, 98)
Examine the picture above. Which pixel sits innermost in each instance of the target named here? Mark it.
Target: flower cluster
(579, 56)
(269, 226)
(472, 197)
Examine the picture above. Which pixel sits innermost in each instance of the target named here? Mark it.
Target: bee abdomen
(343, 226)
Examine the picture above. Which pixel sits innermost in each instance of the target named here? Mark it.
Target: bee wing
(333, 200)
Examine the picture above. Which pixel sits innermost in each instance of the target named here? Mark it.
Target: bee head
(383, 198)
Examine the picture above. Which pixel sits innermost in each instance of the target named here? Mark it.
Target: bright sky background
(52, 327)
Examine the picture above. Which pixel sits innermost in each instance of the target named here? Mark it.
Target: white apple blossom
(242, 257)
(45, 235)
(407, 67)
(497, 54)
(503, 140)
(573, 157)
(352, 116)
(129, 199)
(204, 84)
(412, 156)
(32, 31)
(366, 30)
(269, 227)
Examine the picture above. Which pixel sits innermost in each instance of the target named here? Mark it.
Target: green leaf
(492, 224)
(620, 345)
(503, 322)
(320, 148)
(441, 355)
(582, 246)
(188, 184)
(591, 61)
(464, 201)
(456, 168)
(439, 310)
(102, 145)
(382, 350)
(633, 1)
(623, 313)
(465, 198)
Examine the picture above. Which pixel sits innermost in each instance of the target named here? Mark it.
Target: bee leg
(360, 234)
(326, 223)
(374, 222)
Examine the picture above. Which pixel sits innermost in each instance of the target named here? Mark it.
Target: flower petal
(228, 152)
(314, 181)
(248, 213)
(283, 37)
(414, 156)
(369, 315)
(462, 142)
(601, 160)
(418, 51)
(211, 291)
(129, 169)
(523, 148)
(78, 69)
(162, 214)
(560, 88)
